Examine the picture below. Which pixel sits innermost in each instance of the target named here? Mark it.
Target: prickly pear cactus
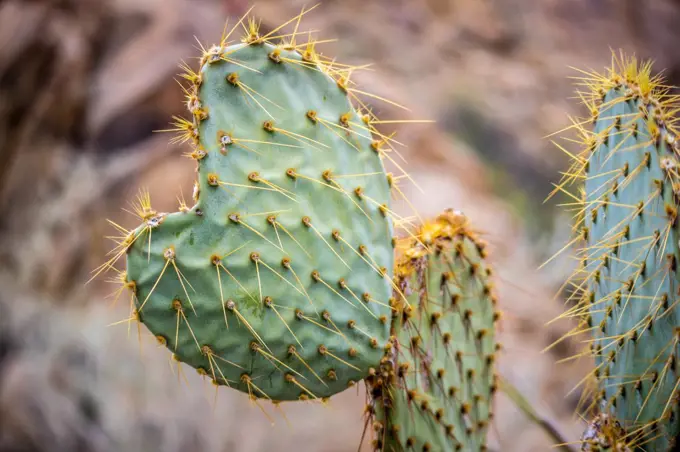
(435, 387)
(277, 281)
(627, 285)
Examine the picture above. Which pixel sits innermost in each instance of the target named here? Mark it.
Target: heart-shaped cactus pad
(277, 281)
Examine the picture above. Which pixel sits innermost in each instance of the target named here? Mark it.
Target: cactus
(277, 281)
(436, 383)
(627, 283)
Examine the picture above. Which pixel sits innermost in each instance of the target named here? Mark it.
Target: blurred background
(85, 83)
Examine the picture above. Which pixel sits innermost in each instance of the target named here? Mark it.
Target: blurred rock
(87, 83)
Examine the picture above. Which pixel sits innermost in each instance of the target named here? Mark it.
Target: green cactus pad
(435, 388)
(276, 282)
(628, 282)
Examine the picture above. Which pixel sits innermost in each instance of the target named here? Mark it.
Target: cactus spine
(627, 284)
(436, 383)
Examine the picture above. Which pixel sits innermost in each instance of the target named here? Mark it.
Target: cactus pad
(627, 285)
(277, 281)
(435, 388)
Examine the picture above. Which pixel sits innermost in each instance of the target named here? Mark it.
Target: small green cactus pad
(277, 281)
(627, 284)
(605, 434)
(435, 387)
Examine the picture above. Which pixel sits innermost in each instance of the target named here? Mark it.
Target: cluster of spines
(412, 353)
(653, 126)
(605, 434)
(188, 131)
